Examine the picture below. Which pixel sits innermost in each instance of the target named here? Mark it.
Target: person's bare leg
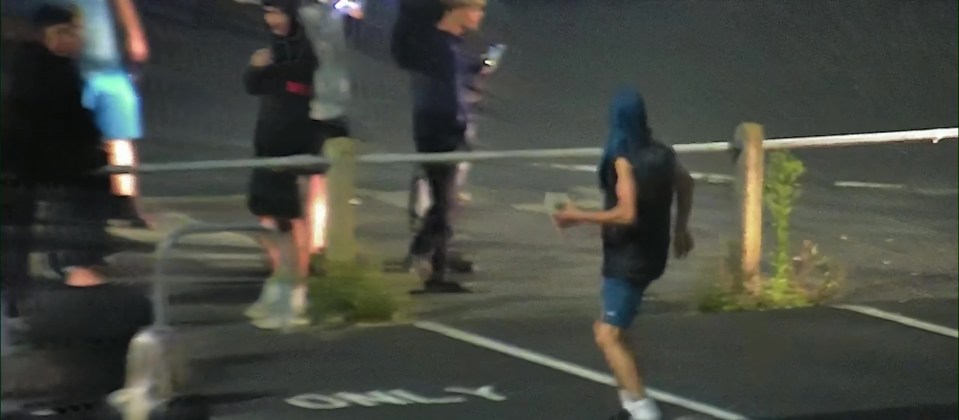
(121, 152)
(621, 360)
(462, 172)
(269, 244)
(300, 238)
(83, 277)
(260, 308)
(290, 299)
(316, 212)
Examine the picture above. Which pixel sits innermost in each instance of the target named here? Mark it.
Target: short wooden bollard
(341, 178)
(749, 137)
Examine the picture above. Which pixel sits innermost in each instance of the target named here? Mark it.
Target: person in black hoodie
(282, 77)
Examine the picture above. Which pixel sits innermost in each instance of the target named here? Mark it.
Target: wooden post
(749, 137)
(341, 184)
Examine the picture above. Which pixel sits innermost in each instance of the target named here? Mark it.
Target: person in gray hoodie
(323, 21)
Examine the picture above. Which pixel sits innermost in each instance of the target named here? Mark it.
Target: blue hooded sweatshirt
(637, 252)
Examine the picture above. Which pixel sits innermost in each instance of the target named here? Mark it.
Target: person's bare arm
(136, 37)
(624, 213)
(128, 16)
(684, 185)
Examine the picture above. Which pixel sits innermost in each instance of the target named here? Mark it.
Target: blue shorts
(621, 299)
(115, 104)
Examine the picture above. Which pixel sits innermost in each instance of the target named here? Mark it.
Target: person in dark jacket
(440, 71)
(56, 203)
(415, 20)
(52, 201)
(281, 76)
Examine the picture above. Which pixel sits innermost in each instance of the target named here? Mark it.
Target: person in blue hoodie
(638, 177)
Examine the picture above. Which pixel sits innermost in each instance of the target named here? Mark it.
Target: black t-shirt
(638, 252)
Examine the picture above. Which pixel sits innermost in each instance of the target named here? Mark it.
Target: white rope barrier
(929, 135)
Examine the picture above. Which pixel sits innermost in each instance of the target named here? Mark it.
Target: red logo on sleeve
(298, 88)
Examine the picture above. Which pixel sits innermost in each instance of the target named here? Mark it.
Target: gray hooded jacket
(331, 81)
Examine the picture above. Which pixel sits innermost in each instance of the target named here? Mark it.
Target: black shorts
(276, 193)
(328, 129)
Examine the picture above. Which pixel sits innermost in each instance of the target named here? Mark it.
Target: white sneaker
(278, 323)
(300, 301)
(421, 266)
(294, 313)
(644, 409)
(261, 308)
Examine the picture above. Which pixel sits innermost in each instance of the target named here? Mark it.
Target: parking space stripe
(567, 367)
(900, 319)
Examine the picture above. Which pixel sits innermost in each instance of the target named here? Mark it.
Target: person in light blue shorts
(109, 90)
(115, 102)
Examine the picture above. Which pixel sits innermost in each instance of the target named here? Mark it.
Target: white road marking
(185, 199)
(874, 185)
(169, 221)
(249, 253)
(900, 319)
(713, 178)
(567, 367)
(399, 199)
(934, 192)
(937, 192)
(567, 167)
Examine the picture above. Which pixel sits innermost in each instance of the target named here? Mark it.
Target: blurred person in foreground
(78, 330)
(440, 71)
(154, 389)
(282, 76)
(638, 177)
(324, 23)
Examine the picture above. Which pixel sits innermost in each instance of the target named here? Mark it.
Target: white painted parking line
(567, 367)
(567, 167)
(874, 185)
(937, 192)
(900, 319)
(713, 178)
(194, 199)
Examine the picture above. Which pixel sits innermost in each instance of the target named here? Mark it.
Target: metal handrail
(311, 162)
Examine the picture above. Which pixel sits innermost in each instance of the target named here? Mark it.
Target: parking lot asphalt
(818, 363)
(808, 363)
(402, 373)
